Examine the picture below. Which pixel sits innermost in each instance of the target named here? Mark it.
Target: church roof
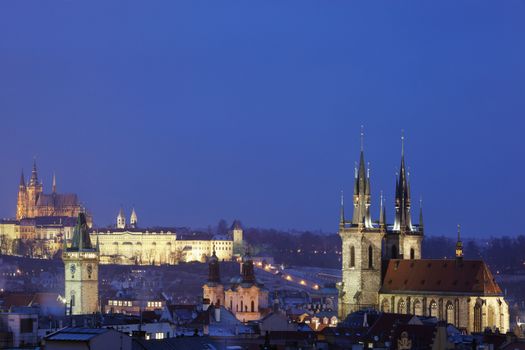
(57, 200)
(439, 276)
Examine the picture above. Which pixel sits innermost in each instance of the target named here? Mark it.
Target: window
(370, 257)
(242, 306)
(352, 256)
(418, 309)
(412, 254)
(450, 313)
(477, 317)
(401, 307)
(159, 335)
(253, 306)
(433, 309)
(385, 307)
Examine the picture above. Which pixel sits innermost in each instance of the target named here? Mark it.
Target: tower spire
(403, 221)
(421, 225)
(362, 138)
(34, 174)
(54, 183)
(22, 180)
(459, 246)
(342, 210)
(381, 212)
(361, 214)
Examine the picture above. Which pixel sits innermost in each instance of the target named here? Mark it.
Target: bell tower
(361, 248)
(81, 271)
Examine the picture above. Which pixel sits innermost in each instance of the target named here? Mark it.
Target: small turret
(121, 219)
(34, 175)
(382, 218)
(133, 219)
(459, 246)
(54, 188)
(248, 273)
(421, 225)
(342, 210)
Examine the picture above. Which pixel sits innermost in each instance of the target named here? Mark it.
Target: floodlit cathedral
(32, 202)
(81, 260)
(383, 269)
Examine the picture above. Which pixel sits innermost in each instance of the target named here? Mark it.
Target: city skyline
(200, 121)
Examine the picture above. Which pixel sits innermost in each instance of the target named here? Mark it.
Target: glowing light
(302, 282)
(289, 278)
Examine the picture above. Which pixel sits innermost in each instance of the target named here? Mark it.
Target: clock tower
(81, 271)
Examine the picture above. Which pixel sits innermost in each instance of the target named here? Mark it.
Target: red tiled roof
(443, 276)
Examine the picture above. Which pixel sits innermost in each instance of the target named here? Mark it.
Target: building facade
(244, 297)
(81, 261)
(129, 244)
(382, 266)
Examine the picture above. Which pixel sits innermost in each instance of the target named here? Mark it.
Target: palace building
(383, 269)
(32, 202)
(130, 244)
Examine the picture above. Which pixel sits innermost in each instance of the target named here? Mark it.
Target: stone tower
(403, 241)
(236, 232)
(133, 219)
(361, 248)
(121, 219)
(81, 271)
(213, 290)
(33, 191)
(21, 203)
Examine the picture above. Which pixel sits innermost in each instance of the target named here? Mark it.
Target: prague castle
(32, 202)
(382, 266)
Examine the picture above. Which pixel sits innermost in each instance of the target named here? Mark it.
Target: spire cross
(368, 170)
(381, 199)
(362, 137)
(402, 142)
(421, 201)
(342, 198)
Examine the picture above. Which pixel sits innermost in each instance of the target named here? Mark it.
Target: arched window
(401, 307)
(231, 304)
(242, 306)
(394, 252)
(433, 309)
(385, 307)
(450, 313)
(418, 308)
(370, 257)
(253, 306)
(412, 254)
(352, 256)
(477, 317)
(491, 319)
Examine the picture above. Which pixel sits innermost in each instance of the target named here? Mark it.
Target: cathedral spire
(403, 218)
(34, 174)
(54, 183)
(361, 191)
(22, 180)
(459, 246)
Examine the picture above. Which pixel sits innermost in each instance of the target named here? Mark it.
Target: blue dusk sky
(194, 111)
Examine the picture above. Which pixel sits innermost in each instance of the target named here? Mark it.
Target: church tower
(81, 271)
(121, 219)
(236, 233)
(33, 191)
(213, 290)
(403, 241)
(21, 203)
(361, 248)
(133, 219)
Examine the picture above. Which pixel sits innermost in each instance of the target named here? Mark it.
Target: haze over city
(171, 109)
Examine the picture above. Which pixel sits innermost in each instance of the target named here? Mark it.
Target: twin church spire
(362, 198)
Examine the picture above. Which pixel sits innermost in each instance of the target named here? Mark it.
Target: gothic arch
(418, 308)
(401, 307)
(478, 317)
(385, 306)
(412, 254)
(449, 313)
(433, 309)
(352, 256)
